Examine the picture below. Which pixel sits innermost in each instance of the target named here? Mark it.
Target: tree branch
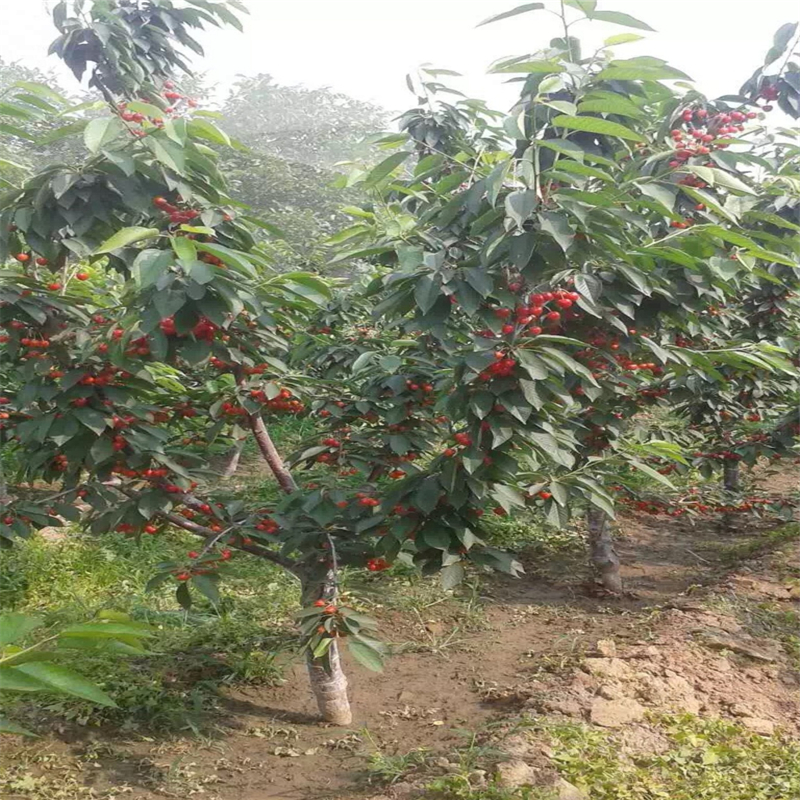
(271, 455)
(209, 536)
(207, 533)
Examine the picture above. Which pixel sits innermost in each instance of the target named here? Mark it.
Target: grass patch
(733, 554)
(174, 688)
(704, 760)
(707, 760)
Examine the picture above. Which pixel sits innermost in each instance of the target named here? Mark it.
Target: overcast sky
(365, 47)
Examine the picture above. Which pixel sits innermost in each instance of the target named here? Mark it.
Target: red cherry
(42, 262)
(82, 276)
(553, 316)
(54, 286)
(22, 257)
(150, 529)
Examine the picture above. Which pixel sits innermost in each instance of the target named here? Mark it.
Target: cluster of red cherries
(283, 403)
(137, 118)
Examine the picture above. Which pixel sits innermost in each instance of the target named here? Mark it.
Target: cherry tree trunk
(604, 557)
(730, 476)
(232, 464)
(5, 496)
(317, 582)
(327, 678)
(271, 454)
(730, 483)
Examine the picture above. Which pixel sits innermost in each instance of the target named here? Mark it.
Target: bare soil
(693, 633)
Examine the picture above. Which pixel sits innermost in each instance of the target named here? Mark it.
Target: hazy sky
(365, 47)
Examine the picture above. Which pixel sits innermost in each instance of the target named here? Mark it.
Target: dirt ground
(692, 634)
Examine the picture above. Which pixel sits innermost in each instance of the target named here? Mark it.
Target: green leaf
(150, 265)
(523, 9)
(595, 125)
(479, 280)
(7, 726)
(609, 103)
(618, 18)
(710, 201)
(232, 258)
(12, 680)
(577, 168)
(557, 225)
(427, 496)
(390, 363)
(662, 193)
(185, 249)
(207, 586)
(13, 130)
(587, 6)
(148, 109)
(647, 470)
(66, 681)
(92, 419)
(202, 129)
(99, 132)
(365, 654)
(42, 90)
(426, 293)
(563, 146)
(564, 106)
(107, 630)
(507, 496)
(313, 287)
(529, 67)
(386, 168)
(633, 70)
(15, 626)
(589, 286)
(322, 647)
(169, 153)
(520, 205)
(622, 38)
(718, 177)
(451, 576)
(125, 237)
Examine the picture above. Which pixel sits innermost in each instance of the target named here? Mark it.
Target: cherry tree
(531, 271)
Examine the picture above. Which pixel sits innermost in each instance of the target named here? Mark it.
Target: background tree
(296, 137)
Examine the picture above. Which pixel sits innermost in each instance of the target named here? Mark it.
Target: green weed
(176, 686)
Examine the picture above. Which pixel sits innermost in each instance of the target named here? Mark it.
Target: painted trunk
(730, 476)
(235, 453)
(604, 557)
(327, 678)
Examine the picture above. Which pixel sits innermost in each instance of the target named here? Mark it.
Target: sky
(366, 47)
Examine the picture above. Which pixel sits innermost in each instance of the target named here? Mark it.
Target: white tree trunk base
(329, 684)
(603, 555)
